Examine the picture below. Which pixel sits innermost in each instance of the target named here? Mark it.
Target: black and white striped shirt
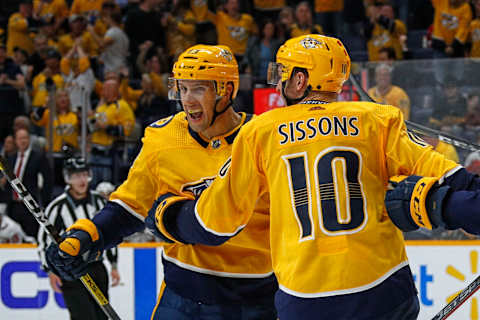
(63, 211)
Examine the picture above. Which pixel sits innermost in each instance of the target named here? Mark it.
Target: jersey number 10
(341, 203)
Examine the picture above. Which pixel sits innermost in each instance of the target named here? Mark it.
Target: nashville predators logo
(197, 187)
(310, 43)
(226, 54)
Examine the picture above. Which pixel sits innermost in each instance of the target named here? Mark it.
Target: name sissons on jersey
(295, 131)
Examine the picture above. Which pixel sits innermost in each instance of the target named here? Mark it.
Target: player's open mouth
(195, 115)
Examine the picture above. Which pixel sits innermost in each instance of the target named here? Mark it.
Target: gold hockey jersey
(177, 160)
(325, 168)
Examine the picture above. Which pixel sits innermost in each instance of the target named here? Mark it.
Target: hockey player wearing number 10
(325, 167)
(181, 154)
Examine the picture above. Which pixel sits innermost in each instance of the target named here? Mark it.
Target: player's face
(199, 100)
(79, 182)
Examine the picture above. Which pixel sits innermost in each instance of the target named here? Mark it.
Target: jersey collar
(229, 137)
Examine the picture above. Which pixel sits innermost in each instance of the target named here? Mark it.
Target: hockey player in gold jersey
(181, 155)
(325, 167)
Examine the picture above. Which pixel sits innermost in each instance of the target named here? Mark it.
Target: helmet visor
(275, 72)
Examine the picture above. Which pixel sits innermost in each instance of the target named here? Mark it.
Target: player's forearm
(463, 180)
(115, 223)
(181, 223)
(462, 210)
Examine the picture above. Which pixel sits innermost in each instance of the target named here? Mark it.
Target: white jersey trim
(449, 173)
(130, 210)
(345, 291)
(215, 273)
(220, 234)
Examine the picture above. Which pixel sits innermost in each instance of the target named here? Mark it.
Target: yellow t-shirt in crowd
(65, 129)
(451, 23)
(39, 91)
(269, 4)
(118, 113)
(396, 96)
(328, 5)
(475, 38)
(383, 38)
(18, 34)
(86, 7)
(234, 33)
(56, 8)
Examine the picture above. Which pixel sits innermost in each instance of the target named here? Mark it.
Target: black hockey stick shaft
(39, 215)
(421, 129)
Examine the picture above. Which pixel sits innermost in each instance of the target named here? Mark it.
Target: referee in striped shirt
(78, 202)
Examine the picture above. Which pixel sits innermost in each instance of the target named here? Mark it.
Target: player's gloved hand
(154, 221)
(415, 201)
(81, 244)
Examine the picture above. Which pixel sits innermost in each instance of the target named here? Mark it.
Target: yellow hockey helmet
(325, 58)
(205, 62)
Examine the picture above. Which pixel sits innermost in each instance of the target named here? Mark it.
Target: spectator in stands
(78, 76)
(126, 92)
(353, 17)
(88, 8)
(37, 59)
(234, 28)
(10, 231)
(78, 25)
(387, 54)
(328, 14)
(180, 28)
(27, 165)
(46, 27)
(285, 20)
(20, 57)
(383, 30)
(261, 50)
(101, 25)
(18, 28)
(474, 32)
(37, 143)
(113, 120)
(151, 107)
(449, 104)
(387, 93)
(11, 81)
(136, 20)
(65, 122)
(267, 9)
(444, 148)
(45, 80)
(472, 118)
(154, 65)
(8, 148)
(114, 45)
(304, 22)
(204, 29)
(55, 11)
(450, 28)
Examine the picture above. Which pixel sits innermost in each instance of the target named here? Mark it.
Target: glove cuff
(418, 210)
(88, 226)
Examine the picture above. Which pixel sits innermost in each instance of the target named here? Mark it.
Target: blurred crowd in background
(103, 65)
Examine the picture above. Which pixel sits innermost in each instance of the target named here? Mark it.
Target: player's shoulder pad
(162, 122)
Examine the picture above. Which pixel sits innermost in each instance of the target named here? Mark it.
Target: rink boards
(441, 269)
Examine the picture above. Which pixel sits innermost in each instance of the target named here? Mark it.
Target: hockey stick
(458, 300)
(39, 215)
(458, 142)
(418, 128)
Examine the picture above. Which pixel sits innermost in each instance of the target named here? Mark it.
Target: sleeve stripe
(220, 234)
(128, 209)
